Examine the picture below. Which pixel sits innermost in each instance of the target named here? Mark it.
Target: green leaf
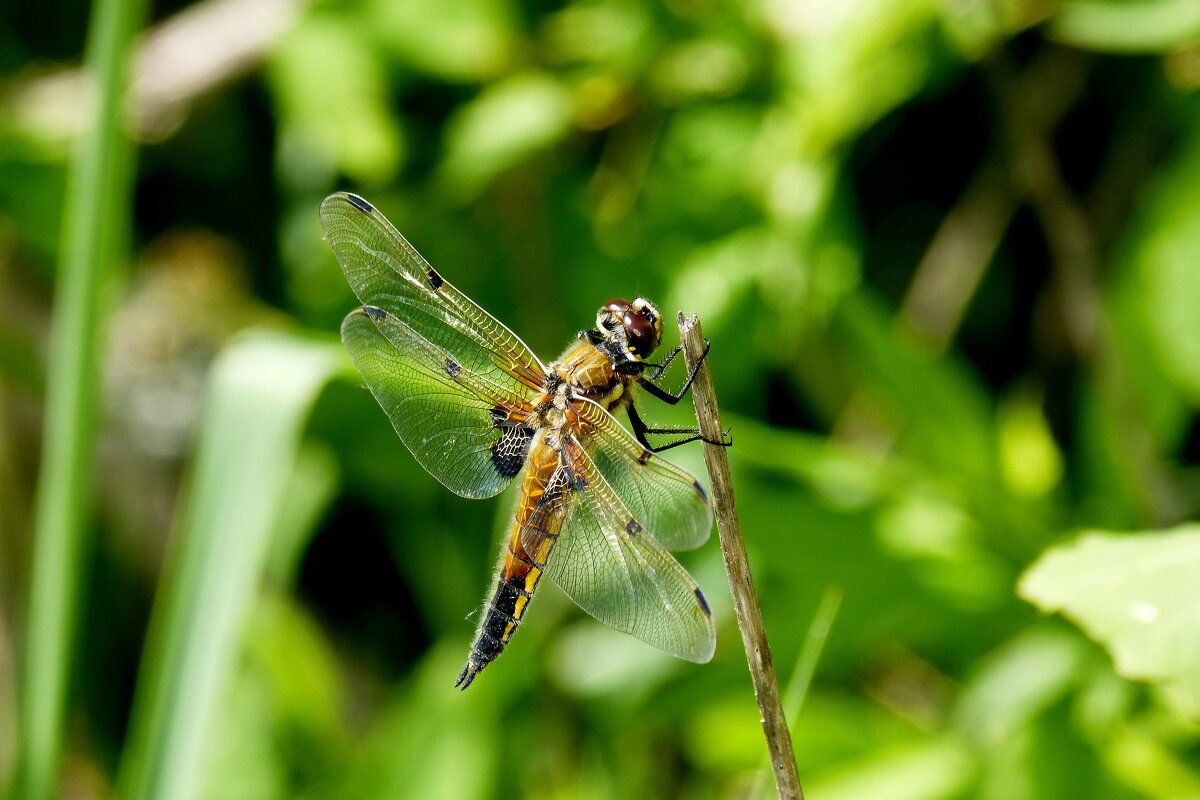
(506, 123)
(332, 97)
(1164, 251)
(259, 394)
(928, 770)
(1125, 26)
(455, 40)
(1137, 595)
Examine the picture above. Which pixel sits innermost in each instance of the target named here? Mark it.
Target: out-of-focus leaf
(1029, 457)
(939, 768)
(941, 543)
(311, 487)
(1138, 757)
(705, 154)
(719, 275)
(457, 40)
(595, 660)
(244, 762)
(509, 121)
(724, 734)
(936, 405)
(1127, 26)
(704, 67)
(851, 62)
(976, 28)
(279, 731)
(1017, 682)
(315, 286)
(617, 35)
(31, 199)
(1165, 252)
(258, 397)
(1136, 594)
(333, 106)
(431, 740)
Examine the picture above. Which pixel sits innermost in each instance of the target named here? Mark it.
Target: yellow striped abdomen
(540, 510)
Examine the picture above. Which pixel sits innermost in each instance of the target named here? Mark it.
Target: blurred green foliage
(947, 256)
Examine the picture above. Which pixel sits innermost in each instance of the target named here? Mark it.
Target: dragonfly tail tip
(467, 675)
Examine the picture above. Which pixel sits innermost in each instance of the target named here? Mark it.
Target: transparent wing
(618, 572)
(666, 500)
(387, 272)
(457, 424)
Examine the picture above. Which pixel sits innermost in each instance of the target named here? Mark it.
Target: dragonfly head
(637, 324)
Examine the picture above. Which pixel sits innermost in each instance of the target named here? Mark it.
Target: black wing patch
(511, 449)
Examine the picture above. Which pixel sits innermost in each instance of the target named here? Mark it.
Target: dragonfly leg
(648, 382)
(641, 430)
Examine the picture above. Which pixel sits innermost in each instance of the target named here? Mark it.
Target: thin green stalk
(806, 665)
(810, 653)
(96, 211)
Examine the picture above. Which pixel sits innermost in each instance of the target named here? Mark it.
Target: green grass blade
(802, 674)
(97, 218)
(260, 391)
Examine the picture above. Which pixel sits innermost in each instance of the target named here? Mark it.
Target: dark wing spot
(452, 367)
(703, 601)
(510, 450)
(644, 456)
(374, 312)
(633, 527)
(435, 280)
(700, 490)
(359, 203)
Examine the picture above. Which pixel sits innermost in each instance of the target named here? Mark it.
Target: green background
(948, 255)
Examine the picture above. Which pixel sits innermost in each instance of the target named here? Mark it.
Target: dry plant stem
(1031, 104)
(954, 265)
(741, 585)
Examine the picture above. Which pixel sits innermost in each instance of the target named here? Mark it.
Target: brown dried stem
(737, 566)
(1032, 103)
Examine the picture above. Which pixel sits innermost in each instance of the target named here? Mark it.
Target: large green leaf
(259, 394)
(1136, 594)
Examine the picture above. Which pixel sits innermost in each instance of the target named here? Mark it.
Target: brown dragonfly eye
(616, 304)
(643, 338)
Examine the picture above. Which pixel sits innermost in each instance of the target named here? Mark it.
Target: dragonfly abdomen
(541, 508)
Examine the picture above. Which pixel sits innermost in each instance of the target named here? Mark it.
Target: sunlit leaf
(508, 122)
(259, 394)
(1029, 458)
(460, 40)
(1019, 681)
(1122, 26)
(333, 106)
(934, 770)
(1165, 252)
(1136, 594)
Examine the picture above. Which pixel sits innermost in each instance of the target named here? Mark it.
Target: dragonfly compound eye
(643, 336)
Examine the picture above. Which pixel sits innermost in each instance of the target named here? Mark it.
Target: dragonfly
(597, 510)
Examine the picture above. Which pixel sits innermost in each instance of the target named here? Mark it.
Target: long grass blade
(97, 220)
